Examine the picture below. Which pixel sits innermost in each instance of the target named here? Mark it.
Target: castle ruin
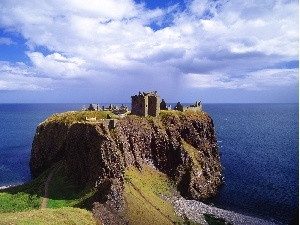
(163, 105)
(145, 104)
(196, 107)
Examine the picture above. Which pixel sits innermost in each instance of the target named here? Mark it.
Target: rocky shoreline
(194, 210)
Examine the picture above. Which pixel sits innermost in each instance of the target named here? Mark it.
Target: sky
(101, 51)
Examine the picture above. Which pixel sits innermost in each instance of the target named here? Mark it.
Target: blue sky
(216, 51)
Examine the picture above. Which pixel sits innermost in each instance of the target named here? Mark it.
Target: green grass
(62, 193)
(164, 113)
(144, 204)
(18, 202)
(66, 216)
(77, 116)
(23, 197)
(21, 204)
(143, 197)
(170, 113)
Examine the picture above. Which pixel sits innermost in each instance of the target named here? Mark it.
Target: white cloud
(56, 65)
(209, 44)
(257, 80)
(21, 77)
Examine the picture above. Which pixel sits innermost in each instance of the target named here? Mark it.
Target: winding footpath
(46, 195)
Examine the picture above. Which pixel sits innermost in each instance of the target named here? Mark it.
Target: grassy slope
(20, 204)
(144, 204)
(49, 216)
(142, 195)
(24, 197)
(62, 193)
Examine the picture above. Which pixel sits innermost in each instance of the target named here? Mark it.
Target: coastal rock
(181, 145)
(48, 146)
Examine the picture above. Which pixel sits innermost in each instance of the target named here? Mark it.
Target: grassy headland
(145, 190)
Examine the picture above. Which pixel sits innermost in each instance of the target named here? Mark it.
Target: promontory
(97, 149)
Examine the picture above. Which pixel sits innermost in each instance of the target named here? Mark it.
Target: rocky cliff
(181, 145)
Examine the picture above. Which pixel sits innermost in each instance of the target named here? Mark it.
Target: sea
(259, 146)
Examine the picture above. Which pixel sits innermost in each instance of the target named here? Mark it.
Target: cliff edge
(181, 145)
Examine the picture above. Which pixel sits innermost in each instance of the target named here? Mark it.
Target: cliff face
(181, 145)
(48, 146)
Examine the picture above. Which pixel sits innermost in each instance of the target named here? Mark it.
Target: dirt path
(45, 199)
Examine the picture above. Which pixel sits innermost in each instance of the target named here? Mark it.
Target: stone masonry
(145, 104)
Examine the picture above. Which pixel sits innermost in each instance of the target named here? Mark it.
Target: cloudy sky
(107, 50)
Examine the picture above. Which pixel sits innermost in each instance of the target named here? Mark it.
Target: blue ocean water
(17, 128)
(259, 145)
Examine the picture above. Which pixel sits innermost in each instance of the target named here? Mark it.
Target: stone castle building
(148, 104)
(145, 104)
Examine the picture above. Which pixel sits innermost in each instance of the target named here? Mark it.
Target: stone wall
(109, 123)
(153, 105)
(196, 107)
(139, 105)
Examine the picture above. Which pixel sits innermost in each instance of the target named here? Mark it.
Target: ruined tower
(145, 104)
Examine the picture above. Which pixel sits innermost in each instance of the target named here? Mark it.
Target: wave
(9, 186)
(4, 187)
